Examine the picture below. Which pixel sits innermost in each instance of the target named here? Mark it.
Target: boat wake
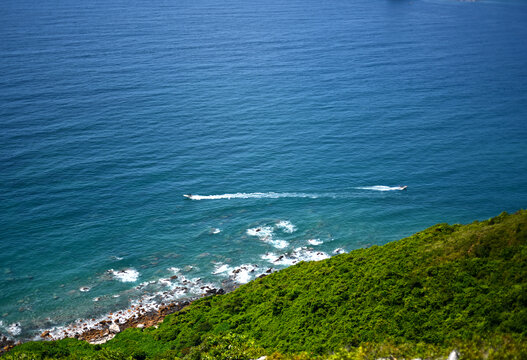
(275, 195)
(256, 195)
(382, 188)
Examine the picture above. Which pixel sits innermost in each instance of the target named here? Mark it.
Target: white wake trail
(275, 195)
(256, 195)
(381, 188)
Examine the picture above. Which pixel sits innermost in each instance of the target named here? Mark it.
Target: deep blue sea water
(305, 110)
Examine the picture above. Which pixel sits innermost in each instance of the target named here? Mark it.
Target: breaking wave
(266, 233)
(286, 226)
(127, 275)
(241, 274)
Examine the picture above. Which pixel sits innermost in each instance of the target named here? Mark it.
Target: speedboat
(403, 187)
(187, 196)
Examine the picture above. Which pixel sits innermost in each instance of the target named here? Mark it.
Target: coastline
(105, 328)
(169, 294)
(142, 313)
(152, 308)
(318, 294)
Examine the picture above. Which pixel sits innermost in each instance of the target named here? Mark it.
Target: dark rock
(214, 291)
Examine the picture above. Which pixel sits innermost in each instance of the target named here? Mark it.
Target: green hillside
(450, 286)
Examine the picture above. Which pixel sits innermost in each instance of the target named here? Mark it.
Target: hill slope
(439, 286)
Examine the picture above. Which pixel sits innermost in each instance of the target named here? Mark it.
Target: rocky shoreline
(167, 295)
(106, 329)
(114, 323)
(144, 312)
(149, 310)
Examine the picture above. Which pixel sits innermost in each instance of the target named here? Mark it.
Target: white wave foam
(128, 275)
(286, 226)
(381, 188)
(14, 329)
(178, 286)
(265, 233)
(315, 242)
(262, 232)
(165, 282)
(156, 293)
(279, 244)
(175, 270)
(256, 195)
(279, 259)
(297, 255)
(221, 268)
(241, 274)
(307, 254)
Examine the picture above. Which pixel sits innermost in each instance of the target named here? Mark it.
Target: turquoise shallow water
(111, 111)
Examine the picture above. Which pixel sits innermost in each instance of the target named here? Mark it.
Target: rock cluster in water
(148, 311)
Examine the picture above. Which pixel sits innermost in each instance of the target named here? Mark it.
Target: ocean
(292, 124)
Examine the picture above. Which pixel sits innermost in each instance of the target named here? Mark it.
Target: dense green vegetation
(450, 286)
